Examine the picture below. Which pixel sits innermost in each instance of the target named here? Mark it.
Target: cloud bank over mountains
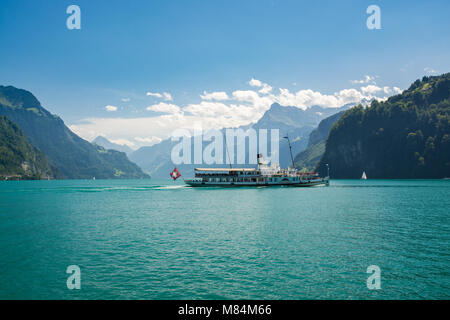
(219, 109)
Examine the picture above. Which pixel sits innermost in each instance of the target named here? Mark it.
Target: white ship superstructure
(263, 175)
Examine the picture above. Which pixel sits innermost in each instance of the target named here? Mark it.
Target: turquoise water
(141, 239)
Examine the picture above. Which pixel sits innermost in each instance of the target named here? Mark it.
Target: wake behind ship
(263, 175)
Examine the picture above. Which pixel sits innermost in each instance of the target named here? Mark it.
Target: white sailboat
(364, 176)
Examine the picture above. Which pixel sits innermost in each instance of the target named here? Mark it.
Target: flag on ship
(175, 174)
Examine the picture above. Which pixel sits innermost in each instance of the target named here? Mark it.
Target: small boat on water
(263, 175)
(364, 176)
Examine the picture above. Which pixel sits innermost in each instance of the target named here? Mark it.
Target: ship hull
(308, 183)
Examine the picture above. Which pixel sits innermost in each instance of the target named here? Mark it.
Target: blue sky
(128, 48)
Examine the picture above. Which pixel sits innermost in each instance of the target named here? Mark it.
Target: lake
(157, 239)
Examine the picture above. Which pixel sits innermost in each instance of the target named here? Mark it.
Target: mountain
(105, 143)
(407, 136)
(308, 158)
(291, 121)
(74, 157)
(18, 158)
(286, 118)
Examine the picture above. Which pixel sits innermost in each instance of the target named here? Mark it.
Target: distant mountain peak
(100, 139)
(104, 142)
(275, 106)
(288, 118)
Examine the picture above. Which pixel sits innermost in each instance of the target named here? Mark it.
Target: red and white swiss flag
(175, 174)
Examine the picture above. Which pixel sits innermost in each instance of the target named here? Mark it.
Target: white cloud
(347, 96)
(397, 90)
(218, 95)
(372, 89)
(255, 83)
(219, 109)
(306, 98)
(265, 88)
(125, 99)
(206, 109)
(246, 95)
(258, 103)
(429, 70)
(148, 140)
(392, 91)
(110, 108)
(232, 115)
(123, 142)
(160, 126)
(129, 128)
(165, 95)
(164, 107)
(367, 79)
(157, 95)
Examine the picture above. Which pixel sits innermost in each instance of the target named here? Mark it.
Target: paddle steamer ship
(263, 175)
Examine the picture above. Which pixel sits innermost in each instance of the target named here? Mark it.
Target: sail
(364, 176)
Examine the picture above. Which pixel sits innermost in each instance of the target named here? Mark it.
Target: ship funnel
(261, 162)
(260, 159)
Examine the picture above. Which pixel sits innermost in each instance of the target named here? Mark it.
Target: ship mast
(228, 154)
(290, 150)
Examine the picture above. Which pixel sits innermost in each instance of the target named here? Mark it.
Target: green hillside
(308, 158)
(18, 158)
(407, 136)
